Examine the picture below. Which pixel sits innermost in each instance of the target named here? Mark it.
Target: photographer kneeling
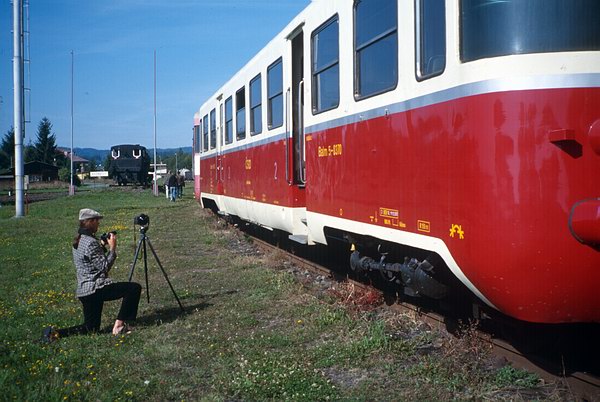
(94, 287)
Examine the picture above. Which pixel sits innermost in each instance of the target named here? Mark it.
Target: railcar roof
(281, 36)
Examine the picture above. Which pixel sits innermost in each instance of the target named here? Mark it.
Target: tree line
(177, 161)
(44, 149)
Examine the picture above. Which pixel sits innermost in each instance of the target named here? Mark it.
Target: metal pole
(155, 184)
(18, 105)
(71, 187)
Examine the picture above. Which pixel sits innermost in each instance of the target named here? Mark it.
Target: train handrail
(287, 136)
(301, 132)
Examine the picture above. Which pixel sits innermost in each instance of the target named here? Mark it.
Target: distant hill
(100, 154)
(91, 153)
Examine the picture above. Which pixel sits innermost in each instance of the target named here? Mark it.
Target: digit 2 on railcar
(461, 135)
(129, 164)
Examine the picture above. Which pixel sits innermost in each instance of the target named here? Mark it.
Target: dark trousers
(92, 306)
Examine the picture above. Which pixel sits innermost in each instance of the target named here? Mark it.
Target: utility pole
(19, 117)
(155, 184)
(71, 187)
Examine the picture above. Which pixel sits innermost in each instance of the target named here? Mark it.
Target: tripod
(142, 242)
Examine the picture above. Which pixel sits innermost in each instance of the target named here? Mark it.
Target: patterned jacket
(92, 265)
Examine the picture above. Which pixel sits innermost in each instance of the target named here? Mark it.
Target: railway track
(584, 386)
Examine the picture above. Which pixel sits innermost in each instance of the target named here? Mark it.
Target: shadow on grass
(169, 314)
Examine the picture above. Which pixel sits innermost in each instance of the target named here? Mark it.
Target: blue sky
(199, 45)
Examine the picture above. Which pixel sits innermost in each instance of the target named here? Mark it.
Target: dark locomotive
(129, 164)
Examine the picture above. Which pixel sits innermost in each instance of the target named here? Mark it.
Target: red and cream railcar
(469, 129)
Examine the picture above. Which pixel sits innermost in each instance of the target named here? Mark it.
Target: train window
(490, 28)
(325, 67)
(255, 106)
(205, 133)
(197, 138)
(229, 120)
(213, 129)
(430, 22)
(375, 47)
(240, 114)
(275, 94)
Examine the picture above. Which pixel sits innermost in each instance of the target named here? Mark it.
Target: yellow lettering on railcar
(329, 150)
(248, 164)
(423, 226)
(391, 217)
(390, 213)
(457, 229)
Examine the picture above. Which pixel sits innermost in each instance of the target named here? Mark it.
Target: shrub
(63, 175)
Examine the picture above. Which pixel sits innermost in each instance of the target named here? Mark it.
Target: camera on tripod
(141, 220)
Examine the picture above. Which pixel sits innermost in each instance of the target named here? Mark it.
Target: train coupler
(415, 276)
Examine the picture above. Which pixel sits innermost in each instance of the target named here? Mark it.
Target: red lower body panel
(488, 176)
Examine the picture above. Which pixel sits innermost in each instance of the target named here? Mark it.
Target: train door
(197, 154)
(221, 165)
(214, 165)
(215, 130)
(296, 114)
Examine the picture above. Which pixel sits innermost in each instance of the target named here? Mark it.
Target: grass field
(250, 331)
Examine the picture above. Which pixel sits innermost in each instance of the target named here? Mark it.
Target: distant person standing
(167, 193)
(172, 183)
(180, 185)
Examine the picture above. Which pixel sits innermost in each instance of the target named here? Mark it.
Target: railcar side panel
(492, 162)
(255, 186)
(481, 174)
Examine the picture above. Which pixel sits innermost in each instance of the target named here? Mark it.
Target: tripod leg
(165, 275)
(135, 257)
(146, 270)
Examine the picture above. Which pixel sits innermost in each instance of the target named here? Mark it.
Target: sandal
(124, 330)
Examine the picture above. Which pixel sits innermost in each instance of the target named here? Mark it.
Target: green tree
(29, 152)
(93, 164)
(45, 145)
(106, 163)
(7, 149)
(64, 175)
(180, 158)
